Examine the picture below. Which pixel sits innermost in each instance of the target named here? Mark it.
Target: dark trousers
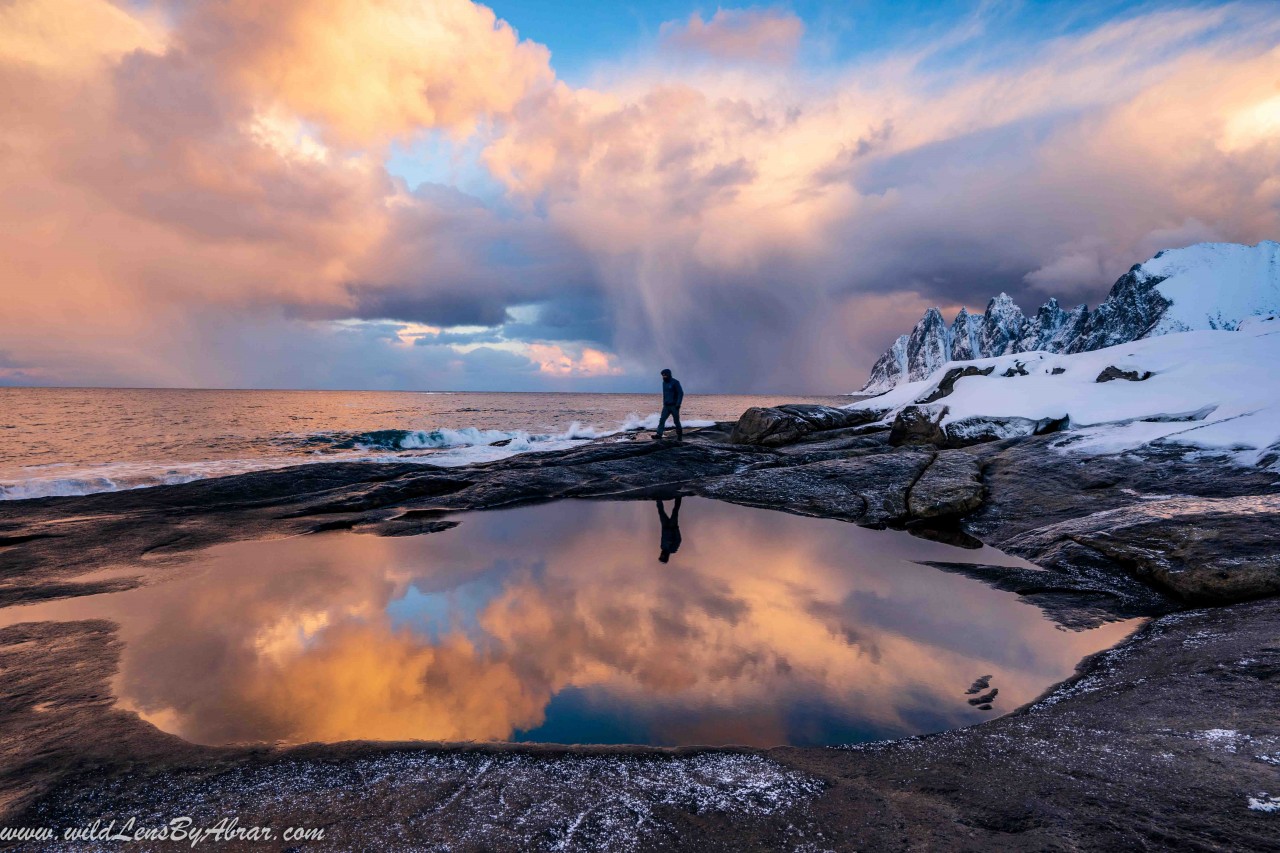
(672, 412)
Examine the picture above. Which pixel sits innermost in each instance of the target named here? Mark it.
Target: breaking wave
(435, 439)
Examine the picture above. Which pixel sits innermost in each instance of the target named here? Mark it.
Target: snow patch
(1224, 739)
(1264, 803)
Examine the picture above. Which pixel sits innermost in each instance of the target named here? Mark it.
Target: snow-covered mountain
(1214, 392)
(1205, 286)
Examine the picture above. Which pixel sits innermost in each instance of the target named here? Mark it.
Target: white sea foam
(634, 422)
(69, 480)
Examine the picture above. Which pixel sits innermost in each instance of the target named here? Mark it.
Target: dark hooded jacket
(672, 392)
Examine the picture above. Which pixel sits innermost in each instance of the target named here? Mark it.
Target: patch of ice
(1264, 803)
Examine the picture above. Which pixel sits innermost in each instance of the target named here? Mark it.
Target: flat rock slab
(951, 485)
(1202, 550)
(780, 425)
(1185, 529)
(870, 489)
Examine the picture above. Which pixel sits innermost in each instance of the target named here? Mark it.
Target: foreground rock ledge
(1170, 738)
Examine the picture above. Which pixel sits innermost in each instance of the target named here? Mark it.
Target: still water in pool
(581, 622)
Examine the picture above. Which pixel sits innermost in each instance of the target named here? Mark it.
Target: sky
(538, 195)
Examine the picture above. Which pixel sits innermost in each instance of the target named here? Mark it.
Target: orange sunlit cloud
(771, 35)
(556, 361)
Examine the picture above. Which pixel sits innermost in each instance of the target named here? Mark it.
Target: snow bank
(1213, 391)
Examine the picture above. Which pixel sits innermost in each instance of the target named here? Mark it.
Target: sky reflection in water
(559, 623)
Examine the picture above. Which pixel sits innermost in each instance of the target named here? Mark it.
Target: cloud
(72, 36)
(154, 201)
(368, 72)
(560, 361)
(733, 216)
(765, 35)
(177, 188)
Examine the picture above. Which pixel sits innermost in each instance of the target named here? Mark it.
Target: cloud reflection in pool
(559, 623)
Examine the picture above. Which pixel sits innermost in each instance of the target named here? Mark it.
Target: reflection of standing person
(670, 530)
(672, 398)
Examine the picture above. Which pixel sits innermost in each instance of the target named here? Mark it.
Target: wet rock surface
(979, 430)
(1191, 696)
(774, 427)
(921, 424)
(1202, 550)
(1112, 373)
(951, 485)
(870, 488)
(948, 383)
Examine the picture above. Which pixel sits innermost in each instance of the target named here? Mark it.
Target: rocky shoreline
(1169, 739)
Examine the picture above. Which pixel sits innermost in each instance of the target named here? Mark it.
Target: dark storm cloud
(586, 318)
(417, 303)
(450, 260)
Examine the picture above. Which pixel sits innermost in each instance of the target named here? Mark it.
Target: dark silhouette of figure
(670, 530)
(672, 398)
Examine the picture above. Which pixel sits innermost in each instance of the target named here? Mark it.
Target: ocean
(76, 441)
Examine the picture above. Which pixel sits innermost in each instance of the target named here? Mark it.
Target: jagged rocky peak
(1043, 326)
(930, 345)
(1003, 326)
(1205, 286)
(889, 368)
(966, 333)
(1073, 326)
(1053, 327)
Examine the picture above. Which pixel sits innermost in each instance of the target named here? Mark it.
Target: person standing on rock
(672, 397)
